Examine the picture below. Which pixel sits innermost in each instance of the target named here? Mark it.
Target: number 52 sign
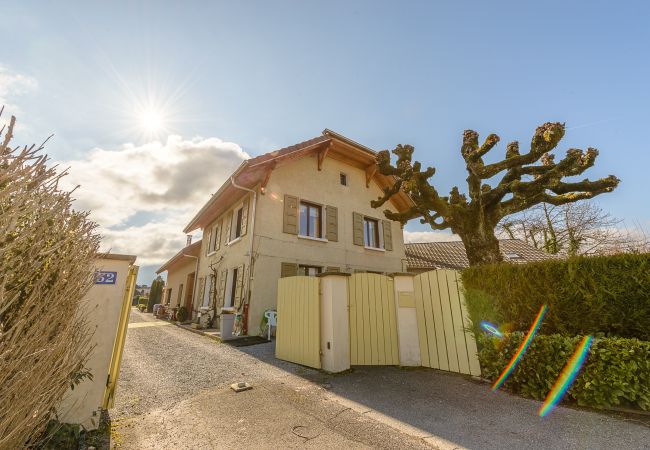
(105, 277)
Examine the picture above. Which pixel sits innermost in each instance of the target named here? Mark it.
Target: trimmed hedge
(616, 371)
(607, 295)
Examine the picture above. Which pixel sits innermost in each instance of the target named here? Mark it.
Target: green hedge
(616, 371)
(607, 295)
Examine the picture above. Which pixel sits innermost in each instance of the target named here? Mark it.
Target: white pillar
(407, 322)
(334, 322)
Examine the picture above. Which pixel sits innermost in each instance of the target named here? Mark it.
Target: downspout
(250, 246)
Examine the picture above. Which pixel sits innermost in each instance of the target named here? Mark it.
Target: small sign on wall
(102, 277)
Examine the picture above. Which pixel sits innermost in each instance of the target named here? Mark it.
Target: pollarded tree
(529, 179)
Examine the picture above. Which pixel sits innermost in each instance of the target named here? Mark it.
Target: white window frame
(323, 222)
(207, 286)
(380, 234)
(233, 225)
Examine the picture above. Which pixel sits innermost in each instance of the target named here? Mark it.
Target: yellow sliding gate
(445, 343)
(373, 323)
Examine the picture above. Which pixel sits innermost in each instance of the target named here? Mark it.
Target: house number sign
(105, 277)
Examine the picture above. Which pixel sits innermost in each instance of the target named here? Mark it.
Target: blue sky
(263, 75)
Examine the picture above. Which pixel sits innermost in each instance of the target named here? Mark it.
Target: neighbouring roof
(253, 171)
(191, 250)
(117, 256)
(451, 255)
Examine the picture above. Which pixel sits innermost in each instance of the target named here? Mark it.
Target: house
(181, 276)
(422, 257)
(300, 210)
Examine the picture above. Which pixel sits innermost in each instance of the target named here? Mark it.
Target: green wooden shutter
(218, 238)
(221, 294)
(288, 270)
(244, 218)
(357, 228)
(387, 225)
(290, 221)
(239, 286)
(226, 238)
(332, 225)
(207, 242)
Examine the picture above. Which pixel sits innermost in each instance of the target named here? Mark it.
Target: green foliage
(155, 294)
(616, 371)
(181, 315)
(607, 295)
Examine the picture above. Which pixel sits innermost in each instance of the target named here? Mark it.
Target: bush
(585, 295)
(181, 315)
(616, 371)
(47, 253)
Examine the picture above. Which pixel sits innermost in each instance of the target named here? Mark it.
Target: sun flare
(152, 120)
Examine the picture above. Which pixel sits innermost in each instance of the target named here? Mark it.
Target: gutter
(250, 247)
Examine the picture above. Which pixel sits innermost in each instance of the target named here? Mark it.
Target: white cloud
(13, 84)
(143, 196)
(429, 236)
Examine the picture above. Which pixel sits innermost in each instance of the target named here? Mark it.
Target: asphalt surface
(173, 393)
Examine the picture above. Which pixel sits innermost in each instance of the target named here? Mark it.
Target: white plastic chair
(272, 320)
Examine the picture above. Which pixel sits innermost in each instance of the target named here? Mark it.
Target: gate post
(407, 322)
(335, 321)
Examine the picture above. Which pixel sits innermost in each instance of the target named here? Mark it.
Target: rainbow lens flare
(567, 376)
(492, 329)
(521, 350)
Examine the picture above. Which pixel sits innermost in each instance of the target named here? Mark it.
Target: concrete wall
(101, 306)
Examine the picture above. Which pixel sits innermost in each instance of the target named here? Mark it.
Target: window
(238, 222)
(310, 220)
(233, 287)
(180, 295)
(207, 288)
(371, 232)
(309, 271)
(512, 255)
(169, 296)
(344, 179)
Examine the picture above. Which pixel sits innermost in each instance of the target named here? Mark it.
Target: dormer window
(512, 256)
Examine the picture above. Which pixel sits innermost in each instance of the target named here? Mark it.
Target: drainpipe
(250, 246)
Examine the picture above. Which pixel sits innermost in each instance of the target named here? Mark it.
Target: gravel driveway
(173, 393)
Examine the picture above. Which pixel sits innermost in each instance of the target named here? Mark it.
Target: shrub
(585, 295)
(47, 252)
(616, 371)
(181, 314)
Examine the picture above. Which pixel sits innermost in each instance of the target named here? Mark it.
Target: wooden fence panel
(298, 329)
(445, 343)
(373, 324)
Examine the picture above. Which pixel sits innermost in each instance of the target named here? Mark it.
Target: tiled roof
(286, 150)
(191, 250)
(451, 255)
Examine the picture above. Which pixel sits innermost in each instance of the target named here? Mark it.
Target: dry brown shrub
(46, 266)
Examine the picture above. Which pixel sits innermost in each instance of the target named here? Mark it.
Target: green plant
(181, 314)
(616, 371)
(585, 295)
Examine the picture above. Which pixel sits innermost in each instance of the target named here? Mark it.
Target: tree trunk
(481, 245)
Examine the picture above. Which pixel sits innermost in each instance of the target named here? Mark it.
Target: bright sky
(113, 81)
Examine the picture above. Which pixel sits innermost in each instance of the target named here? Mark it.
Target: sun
(152, 120)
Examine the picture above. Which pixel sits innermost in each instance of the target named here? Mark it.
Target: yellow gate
(298, 329)
(445, 343)
(373, 324)
(118, 347)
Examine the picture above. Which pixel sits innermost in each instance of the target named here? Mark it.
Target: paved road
(173, 393)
